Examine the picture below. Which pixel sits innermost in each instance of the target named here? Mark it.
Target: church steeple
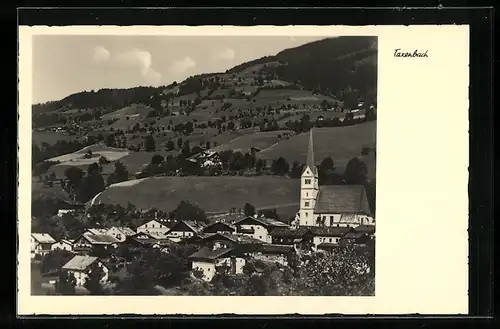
(310, 153)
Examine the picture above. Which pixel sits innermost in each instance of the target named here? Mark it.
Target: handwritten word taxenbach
(415, 53)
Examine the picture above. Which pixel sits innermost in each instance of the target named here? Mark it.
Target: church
(330, 205)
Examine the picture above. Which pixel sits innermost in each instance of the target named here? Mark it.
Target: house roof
(237, 238)
(127, 231)
(275, 249)
(330, 231)
(96, 231)
(286, 232)
(152, 220)
(229, 226)
(368, 229)
(327, 245)
(101, 239)
(338, 199)
(66, 241)
(43, 237)
(267, 222)
(353, 235)
(80, 263)
(209, 254)
(195, 227)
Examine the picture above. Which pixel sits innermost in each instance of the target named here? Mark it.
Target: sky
(67, 64)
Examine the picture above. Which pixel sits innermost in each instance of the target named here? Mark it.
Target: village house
(330, 205)
(301, 237)
(63, 245)
(282, 254)
(353, 237)
(95, 231)
(80, 267)
(94, 243)
(237, 241)
(65, 207)
(153, 226)
(325, 238)
(120, 233)
(41, 244)
(258, 227)
(213, 261)
(184, 229)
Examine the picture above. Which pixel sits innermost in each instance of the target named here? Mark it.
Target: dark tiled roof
(101, 239)
(337, 199)
(328, 245)
(207, 253)
(267, 222)
(353, 235)
(330, 231)
(227, 225)
(285, 232)
(275, 249)
(240, 238)
(79, 263)
(368, 229)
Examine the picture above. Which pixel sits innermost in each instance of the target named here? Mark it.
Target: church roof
(338, 199)
(310, 155)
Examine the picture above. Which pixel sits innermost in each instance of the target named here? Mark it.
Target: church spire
(310, 153)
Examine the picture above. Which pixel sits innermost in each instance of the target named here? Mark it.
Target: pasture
(130, 110)
(339, 143)
(213, 194)
(259, 140)
(49, 137)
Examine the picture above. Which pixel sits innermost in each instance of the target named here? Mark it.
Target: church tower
(308, 187)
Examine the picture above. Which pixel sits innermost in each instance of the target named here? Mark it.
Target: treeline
(46, 151)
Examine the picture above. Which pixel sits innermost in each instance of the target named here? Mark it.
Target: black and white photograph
(203, 165)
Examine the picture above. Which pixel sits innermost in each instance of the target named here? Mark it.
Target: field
(213, 194)
(313, 115)
(50, 137)
(131, 110)
(339, 143)
(259, 140)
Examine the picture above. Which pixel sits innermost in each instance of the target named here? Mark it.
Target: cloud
(224, 54)
(183, 65)
(141, 59)
(100, 54)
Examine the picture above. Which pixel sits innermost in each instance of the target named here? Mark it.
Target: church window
(307, 194)
(331, 220)
(308, 181)
(330, 239)
(306, 214)
(306, 204)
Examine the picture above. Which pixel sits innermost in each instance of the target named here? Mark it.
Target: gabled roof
(65, 241)
(267, 222)
(235, 237)
(286, 232)
(100, 239)
(127, 231)
(209, 254)
(96, 231)
(43, 238)
(339, 199)
(229, 226)
(368, 229)
(80, 263)
(195, 227)
(353, 235)
(152, 220)
(275, 249)
(330, 231)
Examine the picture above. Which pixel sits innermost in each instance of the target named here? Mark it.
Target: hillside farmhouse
(63, 245)
(120, 233)
(330, 205)
(41, 244)
(80, 267)
(258, 227)
(221, 260)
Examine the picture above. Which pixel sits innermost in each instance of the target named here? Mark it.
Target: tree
(280, 167)
(344, 272)
(92, 184)
(249, 209)
(186, 151)
(355, 172)
(188, 211)
(259, 165)
(149, 144)
(207, 145)
(103, 160)
(54, 260)
(179, 142)
(296, 171)
(93, 281)
(110, 140)
(156, 159)
(170, 145)
(74, 176)
(66, 283)
(119, 175)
